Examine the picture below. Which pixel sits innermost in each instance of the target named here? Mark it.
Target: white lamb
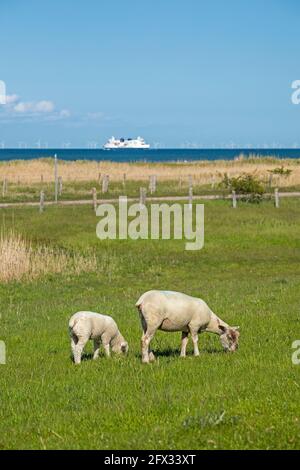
(173, 311)
(84, 326)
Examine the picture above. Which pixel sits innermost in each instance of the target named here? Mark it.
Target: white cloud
(15, 109)
(65, 113)
(34, 107)
(11, 99)
(44, 106)
(95, 116)
(18, 110)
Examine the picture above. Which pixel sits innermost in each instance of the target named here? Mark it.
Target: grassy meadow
(248, 272)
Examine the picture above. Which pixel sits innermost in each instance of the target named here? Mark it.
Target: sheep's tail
(139, 306)
(72, 324)
(140, 302)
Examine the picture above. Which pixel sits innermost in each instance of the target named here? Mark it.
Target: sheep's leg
(74, 341)
(184, 342)
(194, 335)
(78, 349)
(107, 349)
(96, 348)
(147, 355)
(150, 353)
(151, 356)
(105, 341)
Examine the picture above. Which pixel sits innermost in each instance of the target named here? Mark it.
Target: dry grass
(204, 172)
(19, 260)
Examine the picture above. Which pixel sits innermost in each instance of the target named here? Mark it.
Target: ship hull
(116, 144)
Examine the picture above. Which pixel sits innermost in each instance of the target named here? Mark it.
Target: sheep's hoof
(151, 357)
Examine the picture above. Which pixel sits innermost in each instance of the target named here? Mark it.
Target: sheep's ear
(223, 328)
(236, 328)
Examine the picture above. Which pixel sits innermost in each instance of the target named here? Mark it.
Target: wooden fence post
(60, 185)
(99, 178)
(276, 198)
(55, 179)
(142, 196)
(105, 183)
(234, 200)
(191, 197)
(152, 184)
(124, 180)
(42, 201)
(213, 182)
(42, 178)
(94, 194)
(270, 180)
(4, 187)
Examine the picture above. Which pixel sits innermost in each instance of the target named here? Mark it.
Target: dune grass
(19, 260)
(249, 274)
(33, 171)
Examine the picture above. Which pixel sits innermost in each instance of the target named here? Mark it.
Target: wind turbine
(92, 145)
(66, 145)
(22, 145)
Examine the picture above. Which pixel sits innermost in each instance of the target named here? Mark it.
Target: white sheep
(173, 311)
(84, 326)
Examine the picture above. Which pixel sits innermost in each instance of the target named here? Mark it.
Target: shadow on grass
(87, 357)
(168, 352)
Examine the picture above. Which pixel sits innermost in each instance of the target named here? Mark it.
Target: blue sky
(179, 73)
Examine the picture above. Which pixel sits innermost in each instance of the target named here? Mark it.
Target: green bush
(249, 187)
(281, 171)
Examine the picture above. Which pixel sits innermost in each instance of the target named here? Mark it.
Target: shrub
(249, 187)
(281, 171)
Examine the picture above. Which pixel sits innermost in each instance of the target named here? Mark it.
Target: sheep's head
(120, 347)
(124, 347)
(229, 337)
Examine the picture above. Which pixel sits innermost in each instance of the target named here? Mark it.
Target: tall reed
(20, 260)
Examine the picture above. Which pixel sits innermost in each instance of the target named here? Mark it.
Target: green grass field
(249, 274)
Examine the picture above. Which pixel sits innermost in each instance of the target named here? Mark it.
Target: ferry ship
(114, 143)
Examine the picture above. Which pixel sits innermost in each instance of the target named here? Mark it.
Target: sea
(151, 155)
